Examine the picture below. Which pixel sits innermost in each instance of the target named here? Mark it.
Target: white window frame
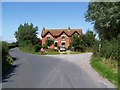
(62, 38)
(47, 38)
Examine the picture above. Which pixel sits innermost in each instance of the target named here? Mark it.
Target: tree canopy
(49, 42)
(26, 34)
(76, 41)
(106, 18)
(89, 38)
(83, 41)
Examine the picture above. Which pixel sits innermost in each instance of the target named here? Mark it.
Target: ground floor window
(63, 44)
(56, 44)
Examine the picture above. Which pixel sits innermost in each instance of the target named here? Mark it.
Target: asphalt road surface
(53, 71)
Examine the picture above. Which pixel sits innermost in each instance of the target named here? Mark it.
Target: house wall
(67, 40)
(59, 40)
(45, 38)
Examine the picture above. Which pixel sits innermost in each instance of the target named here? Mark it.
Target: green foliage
(50, 50)
(26, 34)
(51, 53)
(106, 18)
(77, 42)
(13, 45)
(89, 38)
(29, 48)
(107, 49)
(96, 47)
(83, 42)
(6, 58)
(104, 70)
(45, 46)
(37, 47)
(5, 48)
(49, 42)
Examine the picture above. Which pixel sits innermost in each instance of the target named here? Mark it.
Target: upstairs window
(55, 38)
(63, 37)
(48, 38)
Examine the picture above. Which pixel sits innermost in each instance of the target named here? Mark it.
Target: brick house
(61, 37)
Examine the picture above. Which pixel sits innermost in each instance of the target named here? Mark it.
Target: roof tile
(57, 32)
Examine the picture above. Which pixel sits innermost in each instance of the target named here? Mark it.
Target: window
(63, 37)
(48, 46)
(48, 38)
(63, 44)
(55, 38)
(56, 44)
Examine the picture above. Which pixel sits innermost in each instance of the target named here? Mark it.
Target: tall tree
(77, 42)
(26, 34)
(106, 18)
(89, 38)
(49, 42)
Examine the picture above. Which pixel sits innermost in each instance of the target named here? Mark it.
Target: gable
(75, 33)
(58, 32)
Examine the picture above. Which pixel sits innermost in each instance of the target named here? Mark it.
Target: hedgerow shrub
(50, 50)
(95, 47)
(13, 45)
(29, 48)
(6, 58)
(45, 46)
(107, 49)
(37, 47)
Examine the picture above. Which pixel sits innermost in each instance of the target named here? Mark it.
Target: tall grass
(105, 70)
(109, 64)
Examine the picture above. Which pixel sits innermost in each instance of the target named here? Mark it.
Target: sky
(51, 15)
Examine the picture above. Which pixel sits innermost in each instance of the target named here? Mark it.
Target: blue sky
(59, 15)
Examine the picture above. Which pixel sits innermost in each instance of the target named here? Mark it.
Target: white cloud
(11, 40)
(39, 36)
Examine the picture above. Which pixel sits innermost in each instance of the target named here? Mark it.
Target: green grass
(38, 53)
(51, 53)
(104, 70)
(76, 52)
(26, 50)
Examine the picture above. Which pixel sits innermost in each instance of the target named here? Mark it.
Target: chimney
(68, 28)
(43, 28)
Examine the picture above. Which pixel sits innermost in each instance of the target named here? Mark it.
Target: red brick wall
(45, 38)
(59, 39)
(67, 40)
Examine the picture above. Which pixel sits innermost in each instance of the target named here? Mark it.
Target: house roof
(57, 32)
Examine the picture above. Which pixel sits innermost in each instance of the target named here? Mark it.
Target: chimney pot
(43, 28)
(69, 28)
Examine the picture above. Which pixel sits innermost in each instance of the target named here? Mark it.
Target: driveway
(53, 71)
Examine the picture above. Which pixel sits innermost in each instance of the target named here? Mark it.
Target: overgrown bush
(50, 50)
(13, 45)
(29, 48)
(95, 47)
(107, 49)
(45, 46)
(37, 47)
(82, 48)
(49, 42)
(6, 58)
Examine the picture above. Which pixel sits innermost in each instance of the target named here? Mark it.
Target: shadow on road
(10, 71)
(14, 58)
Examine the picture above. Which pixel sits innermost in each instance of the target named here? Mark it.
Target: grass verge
(105, 70)
(38, 53)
